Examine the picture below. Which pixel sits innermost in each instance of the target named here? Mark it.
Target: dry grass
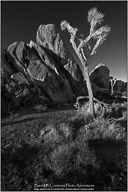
(64, 147)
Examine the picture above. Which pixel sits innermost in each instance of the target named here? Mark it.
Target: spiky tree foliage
(94, 18)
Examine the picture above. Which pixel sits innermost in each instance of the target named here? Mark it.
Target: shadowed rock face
(6, 65)
(38, 70)
(100, 76)
(51, 37)
(48, 36)
(120, 86)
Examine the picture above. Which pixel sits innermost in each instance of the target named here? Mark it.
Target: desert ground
(61, 146)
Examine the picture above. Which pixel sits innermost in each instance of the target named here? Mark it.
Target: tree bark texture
(90, 93)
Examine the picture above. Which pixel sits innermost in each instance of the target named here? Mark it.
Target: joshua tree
(113, 81)
(81, 49)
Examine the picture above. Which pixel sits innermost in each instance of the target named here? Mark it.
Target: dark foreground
(62, 147)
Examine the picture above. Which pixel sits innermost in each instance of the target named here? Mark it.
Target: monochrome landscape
(64, 124)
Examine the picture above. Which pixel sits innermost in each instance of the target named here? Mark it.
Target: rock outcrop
(40, 71)
(51, 38)
(48, 37)
(7, 67)
(49, 68)
(100, 76)
(120, 86)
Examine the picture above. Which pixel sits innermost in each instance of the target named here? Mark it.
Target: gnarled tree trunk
(90, 93)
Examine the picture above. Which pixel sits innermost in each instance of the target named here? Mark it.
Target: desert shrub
(61, 159)
(102, 129)
(16, 90)
(79, 162)
(85, 110)
(81, 117)
(71, 126)
(17, 94)
(69, 151)
(118, 109)
(18, 167)
(52, 136)
(72, 159)
(83, 127)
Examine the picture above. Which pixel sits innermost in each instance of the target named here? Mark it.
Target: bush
(104, 129)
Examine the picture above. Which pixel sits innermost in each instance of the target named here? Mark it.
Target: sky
(20, 22)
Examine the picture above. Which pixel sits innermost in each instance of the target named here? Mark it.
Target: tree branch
(83, 54)
(92, 28)
(102, 31)
(84, 42)
(96, 46)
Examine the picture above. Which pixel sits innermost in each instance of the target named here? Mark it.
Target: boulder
(7, 68)
(100, 92)
(53, 62)
(120, 86)
(51, 38)
(19, 77)
(49, 74)
(40, 68)
(100, 76)
(15, 54)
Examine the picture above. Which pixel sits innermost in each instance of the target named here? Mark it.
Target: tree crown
(94, 18)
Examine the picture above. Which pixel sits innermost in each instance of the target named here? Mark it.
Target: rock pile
(49, 68)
